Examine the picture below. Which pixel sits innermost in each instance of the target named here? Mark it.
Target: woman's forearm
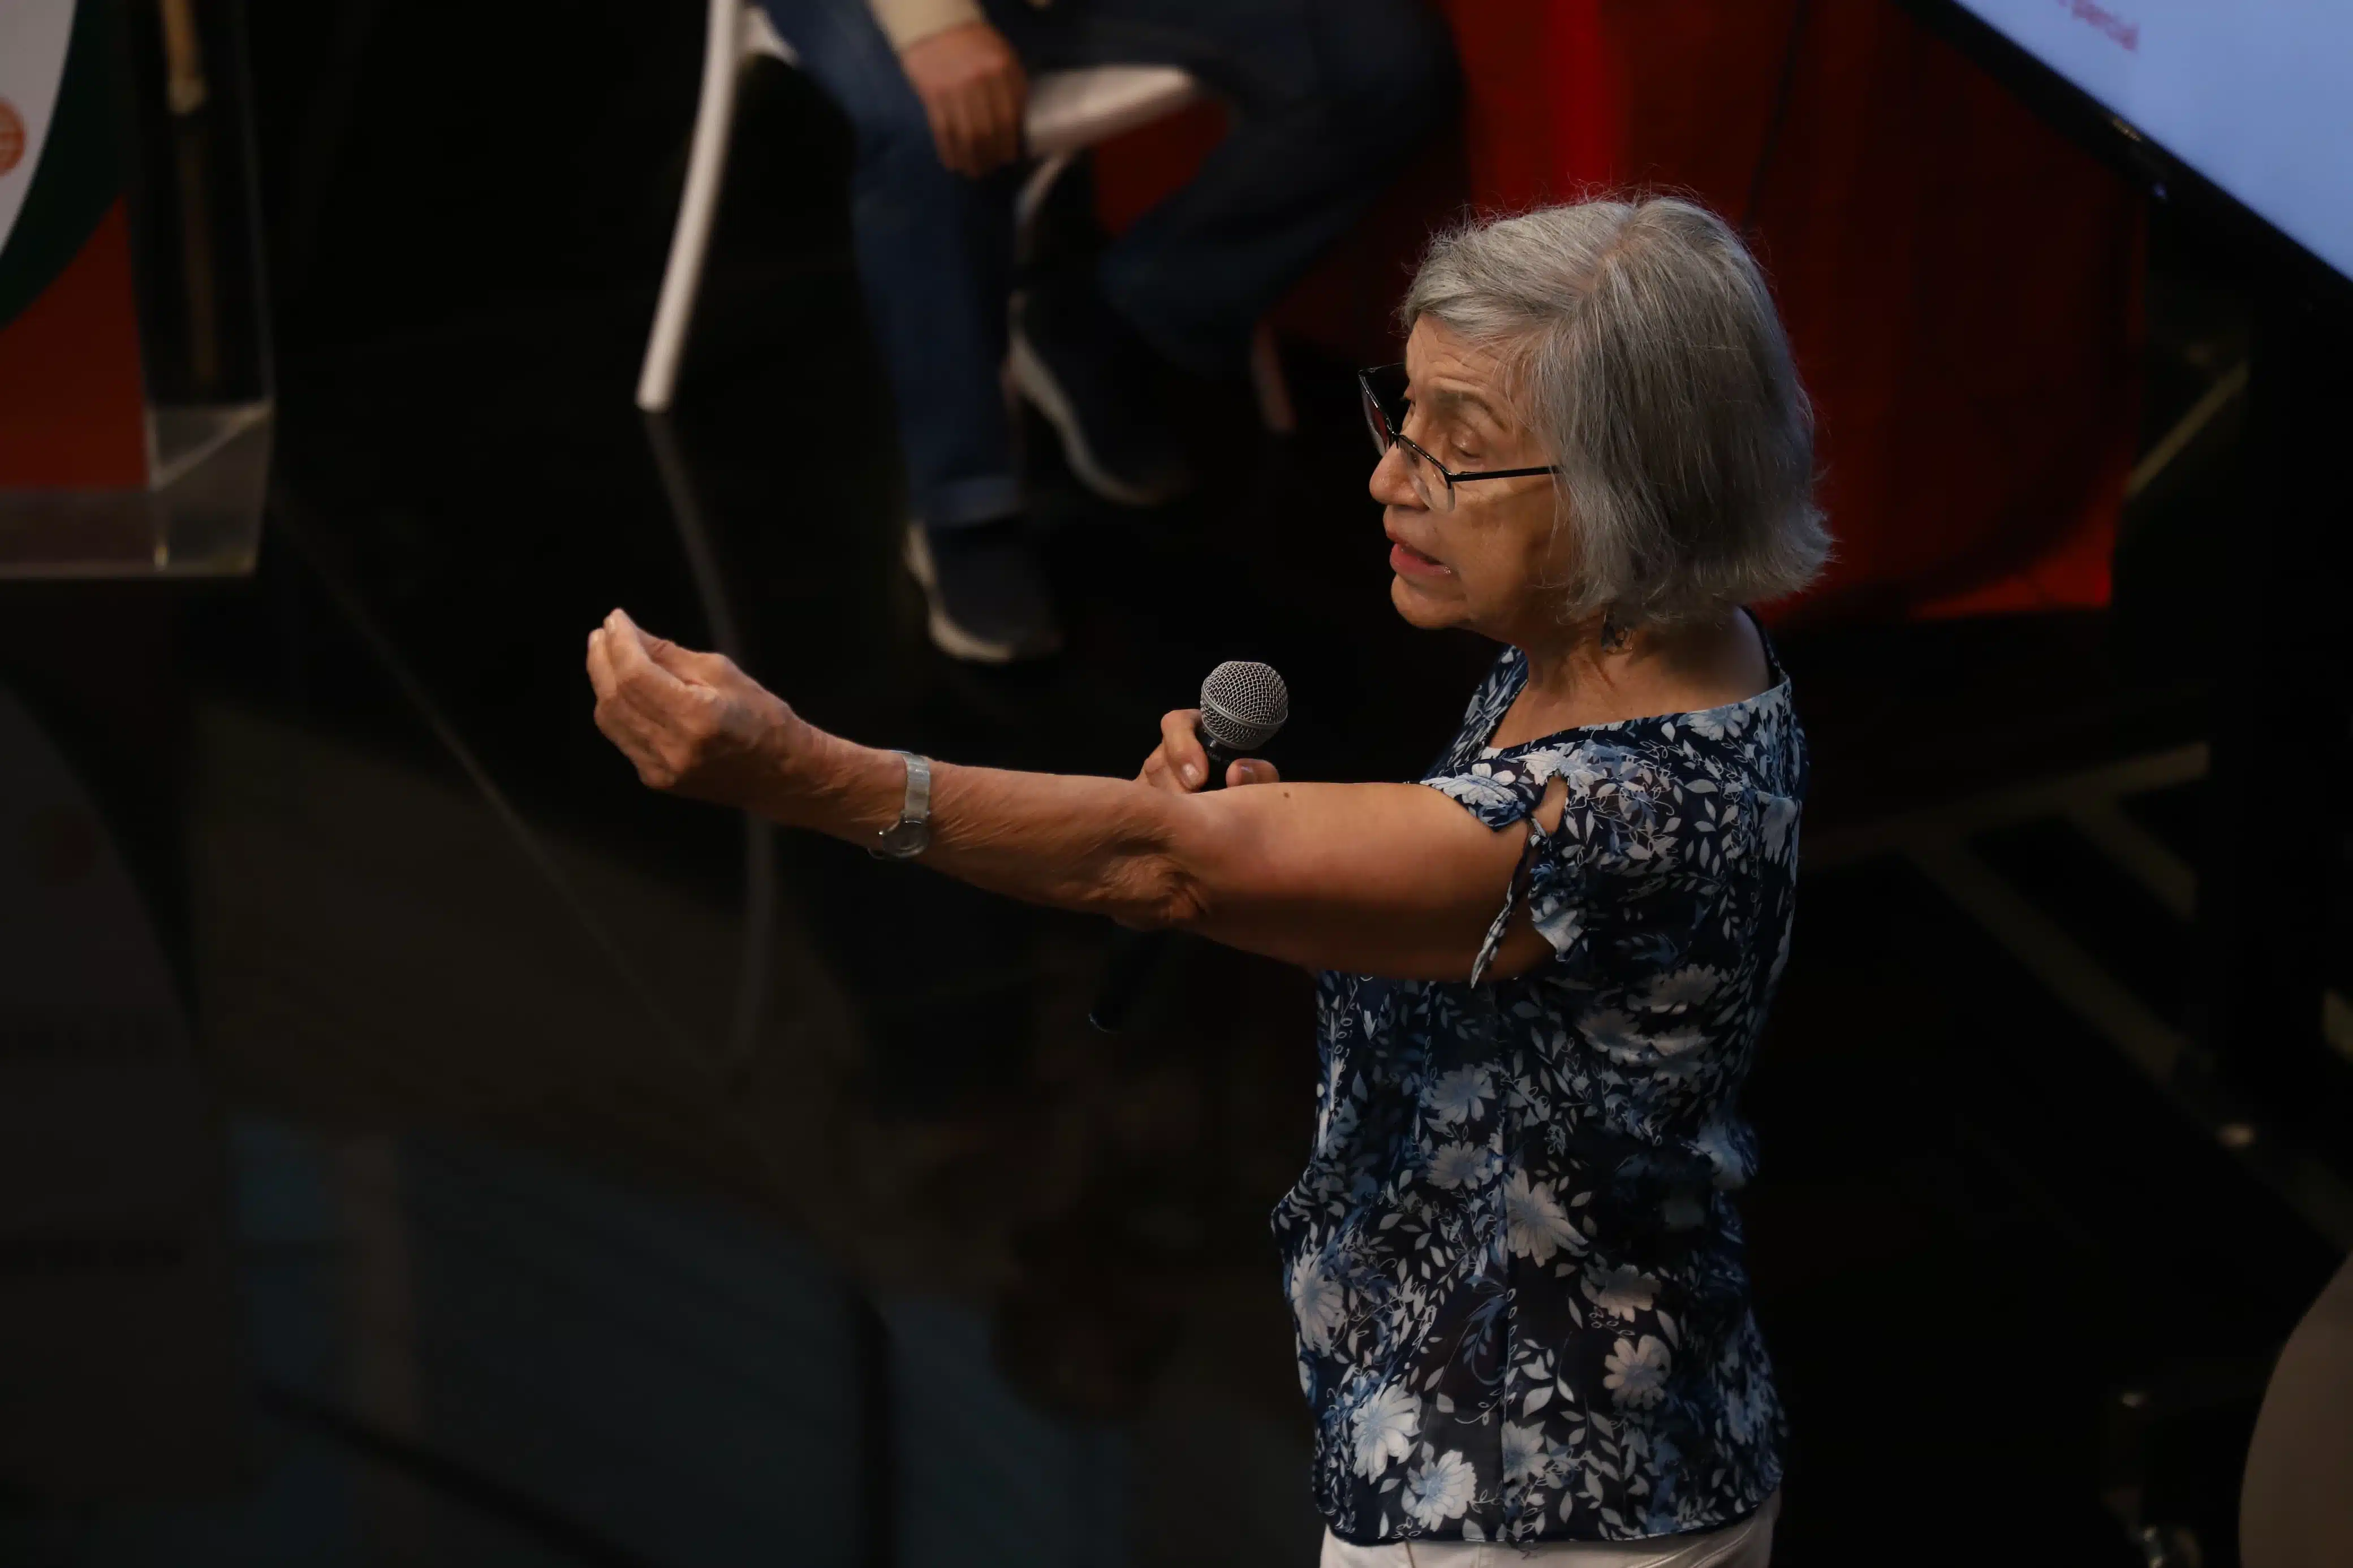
(694, 723)
(1378, 878)
(1111, 847)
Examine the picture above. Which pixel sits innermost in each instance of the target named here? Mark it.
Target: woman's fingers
(619, 717)
(618, 720)
(1181, 745)
(1182, 764)
(691, 665)
(600, 666)
(1161, 774)
(640, 706)
(689, 722)
(636, 673)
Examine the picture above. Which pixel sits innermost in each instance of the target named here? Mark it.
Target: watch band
(911, 833)
(917, 806)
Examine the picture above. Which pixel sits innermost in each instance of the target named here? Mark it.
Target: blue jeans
(1329, 96)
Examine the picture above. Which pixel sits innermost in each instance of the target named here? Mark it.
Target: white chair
(1069, 111)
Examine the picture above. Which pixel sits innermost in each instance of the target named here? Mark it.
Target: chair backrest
(1072, 109)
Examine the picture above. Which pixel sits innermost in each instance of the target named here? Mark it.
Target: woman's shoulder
(1753, 732)
(1752, 746)
(1625, 773)
(1678, 790)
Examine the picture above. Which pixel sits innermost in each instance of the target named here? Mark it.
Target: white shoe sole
(946, 636)
(1034, 382)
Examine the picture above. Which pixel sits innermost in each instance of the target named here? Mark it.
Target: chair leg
(706, 169)
(1274, 408)
(1032, 199)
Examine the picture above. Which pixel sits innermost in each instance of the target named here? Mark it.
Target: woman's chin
(1421, 604)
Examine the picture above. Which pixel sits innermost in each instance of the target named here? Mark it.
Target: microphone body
(1242, 705)
(1135, 954)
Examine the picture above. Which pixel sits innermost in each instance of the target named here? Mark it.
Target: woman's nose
(1391, 484)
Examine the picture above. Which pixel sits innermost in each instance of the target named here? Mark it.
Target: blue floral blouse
(1513, 1259)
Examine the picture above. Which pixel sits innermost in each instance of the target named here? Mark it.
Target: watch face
(902, 840)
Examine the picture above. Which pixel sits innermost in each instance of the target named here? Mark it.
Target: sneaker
(1103, 389)
(988, 595)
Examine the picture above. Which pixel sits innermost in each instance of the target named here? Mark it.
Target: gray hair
(1639, 343)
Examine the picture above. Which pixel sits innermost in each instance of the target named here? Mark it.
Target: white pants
(1748, 1544)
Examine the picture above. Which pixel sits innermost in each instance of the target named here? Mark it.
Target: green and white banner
(59, 167)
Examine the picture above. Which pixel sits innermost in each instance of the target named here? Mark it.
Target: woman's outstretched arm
(1375, 879)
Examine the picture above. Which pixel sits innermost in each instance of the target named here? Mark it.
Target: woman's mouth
(1408, 561)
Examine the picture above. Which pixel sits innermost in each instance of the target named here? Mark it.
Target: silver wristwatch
(911, 833)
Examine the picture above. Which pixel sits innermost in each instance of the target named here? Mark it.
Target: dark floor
(428, 1146)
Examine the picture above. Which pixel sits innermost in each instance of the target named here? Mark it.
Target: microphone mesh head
(1243, 704)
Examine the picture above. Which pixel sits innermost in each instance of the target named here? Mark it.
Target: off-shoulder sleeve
(1619, 828)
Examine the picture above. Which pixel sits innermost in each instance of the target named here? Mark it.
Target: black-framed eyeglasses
(1383, 389)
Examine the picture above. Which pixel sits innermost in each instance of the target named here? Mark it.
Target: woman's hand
(1180, 764)
(974, 92)
(691, 722)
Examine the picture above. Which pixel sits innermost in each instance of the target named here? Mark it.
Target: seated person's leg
(1100, 383)
(934, 258)
(1331, 97)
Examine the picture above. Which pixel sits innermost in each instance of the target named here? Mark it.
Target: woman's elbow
(1161, 893)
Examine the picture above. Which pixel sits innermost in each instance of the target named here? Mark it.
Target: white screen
(2255, 95)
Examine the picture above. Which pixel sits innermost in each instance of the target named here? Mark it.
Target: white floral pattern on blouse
(1514, 1261)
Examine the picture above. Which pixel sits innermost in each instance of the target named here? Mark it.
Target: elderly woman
(1513, 1262)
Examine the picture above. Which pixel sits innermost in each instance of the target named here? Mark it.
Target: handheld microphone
(1243, 706)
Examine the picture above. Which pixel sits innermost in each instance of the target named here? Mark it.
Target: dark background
(527, 1169)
